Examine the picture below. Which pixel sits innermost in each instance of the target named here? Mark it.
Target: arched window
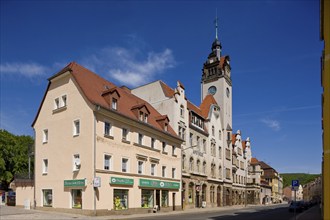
(198, 166)
(181, 111)
(204, 167)
(191, 164)
(213, 170)
(220, 172)
(212, 130)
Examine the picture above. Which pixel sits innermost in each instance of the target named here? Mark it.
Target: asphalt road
(259, 213)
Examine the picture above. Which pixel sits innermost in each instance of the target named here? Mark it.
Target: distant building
(312, 191)
(287, 194)
(298, 194)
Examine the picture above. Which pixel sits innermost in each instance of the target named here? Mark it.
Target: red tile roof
(233, 138)
(206, 104)
(93, 86)
(254, 160)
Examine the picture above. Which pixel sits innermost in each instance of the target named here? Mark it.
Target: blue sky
(274, 48)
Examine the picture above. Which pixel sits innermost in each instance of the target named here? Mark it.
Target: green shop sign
(74, 183)
(159, 184)
(121, 181)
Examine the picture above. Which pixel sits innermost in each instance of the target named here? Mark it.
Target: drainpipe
(94, 170)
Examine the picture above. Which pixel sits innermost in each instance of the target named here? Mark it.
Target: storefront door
(173, 201)
(158, 198)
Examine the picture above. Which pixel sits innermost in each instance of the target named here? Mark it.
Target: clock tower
(216, 81)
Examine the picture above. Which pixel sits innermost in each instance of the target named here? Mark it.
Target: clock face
(212, 90)
(227, 92)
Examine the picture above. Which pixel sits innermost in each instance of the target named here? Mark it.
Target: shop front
(76, 188)
(121, 189)
(162, 195)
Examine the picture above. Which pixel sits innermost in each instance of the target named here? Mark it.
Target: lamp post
(246, 180)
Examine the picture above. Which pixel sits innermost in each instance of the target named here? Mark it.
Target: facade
(99, 149)
(254, 182)
(287, 194)
(272, 177)
(214, 161)
(299, 194)
(325, 81)
(265, 193)
(312, 191)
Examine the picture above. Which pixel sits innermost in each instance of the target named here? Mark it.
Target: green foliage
(14, 156)
(302, 177)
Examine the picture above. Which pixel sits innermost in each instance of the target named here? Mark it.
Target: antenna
(216, 23)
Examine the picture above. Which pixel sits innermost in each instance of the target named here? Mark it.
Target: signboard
(121, 181)
(295, 185)
(97, 182)
(74, 183)
(158, 184)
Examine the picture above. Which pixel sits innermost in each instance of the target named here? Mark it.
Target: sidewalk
(11, 212)
(312, 213)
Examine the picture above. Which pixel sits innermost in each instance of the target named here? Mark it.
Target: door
(158, 199)
(173, 201)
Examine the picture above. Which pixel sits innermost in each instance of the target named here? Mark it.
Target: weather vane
(216, 24)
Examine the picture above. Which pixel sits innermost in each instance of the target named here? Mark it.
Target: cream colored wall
(118, 150)
(62, 145)
(24, 193)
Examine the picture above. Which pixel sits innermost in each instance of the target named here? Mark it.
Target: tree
(14, 156)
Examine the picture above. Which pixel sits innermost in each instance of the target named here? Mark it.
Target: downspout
(34, 171)
(94, 169)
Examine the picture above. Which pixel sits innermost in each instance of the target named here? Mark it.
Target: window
(56, 103)
(191, 139)
(76, 162)
(198, 166)
(76, 198)
(114, 104)
(220, 152)
(173, 150)
(125, 134)
(173, 173)
(213, 170)
(45, 166)
(140, 167)
(166, 127)
(164, 198)
(107, 129)
(227, 173)
(152, 143)
(212, 130)
(204, 145)
(107, 162)
(140, 141)
(183, 162)
(120, 199)
(45, 136)
(182, 132)
(219, 135)
(147, 198)
(198, 143)
(146, 118)
(163, 171)
(47, 196)
(153, 169)
(141, 116)
(76, 127)
(64, 100)
(220, 172)
(191, 164)
(228, 136)
(181, 111)
(164, 146)
(204, 167)
(124, 165)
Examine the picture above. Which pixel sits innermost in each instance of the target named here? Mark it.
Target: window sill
(108, 136)
(174, 155)
(60, 109)
(75, 135)
(44, 174)
(163, 152)
(44, 142)
(125, 141)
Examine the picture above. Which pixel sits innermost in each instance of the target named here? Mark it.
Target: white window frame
(110, 128)
(64, 100)
(56, 103)
(164, 146)
(45, 136)
(140, 138)
(163, 171)
(140, 167)
(127, 164)
(173, 172)
(153, 143)
(76, 129)
(76, 158)
(114, 103)
(45, 166)
(110, 161)
(126, 137)
(153, 169)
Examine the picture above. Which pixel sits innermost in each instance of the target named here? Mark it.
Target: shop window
(47, 197)
(147, 198)
(76, 198)
(190, 194)
(164, 198)
(120, 199)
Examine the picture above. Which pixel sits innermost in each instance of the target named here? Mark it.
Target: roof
(94, 87)
(206, 104)
(254, 161)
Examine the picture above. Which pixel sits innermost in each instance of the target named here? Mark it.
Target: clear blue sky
(274, 48)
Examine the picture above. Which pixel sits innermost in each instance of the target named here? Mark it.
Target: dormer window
(114, 103)
(166, 127)
(146, 118)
